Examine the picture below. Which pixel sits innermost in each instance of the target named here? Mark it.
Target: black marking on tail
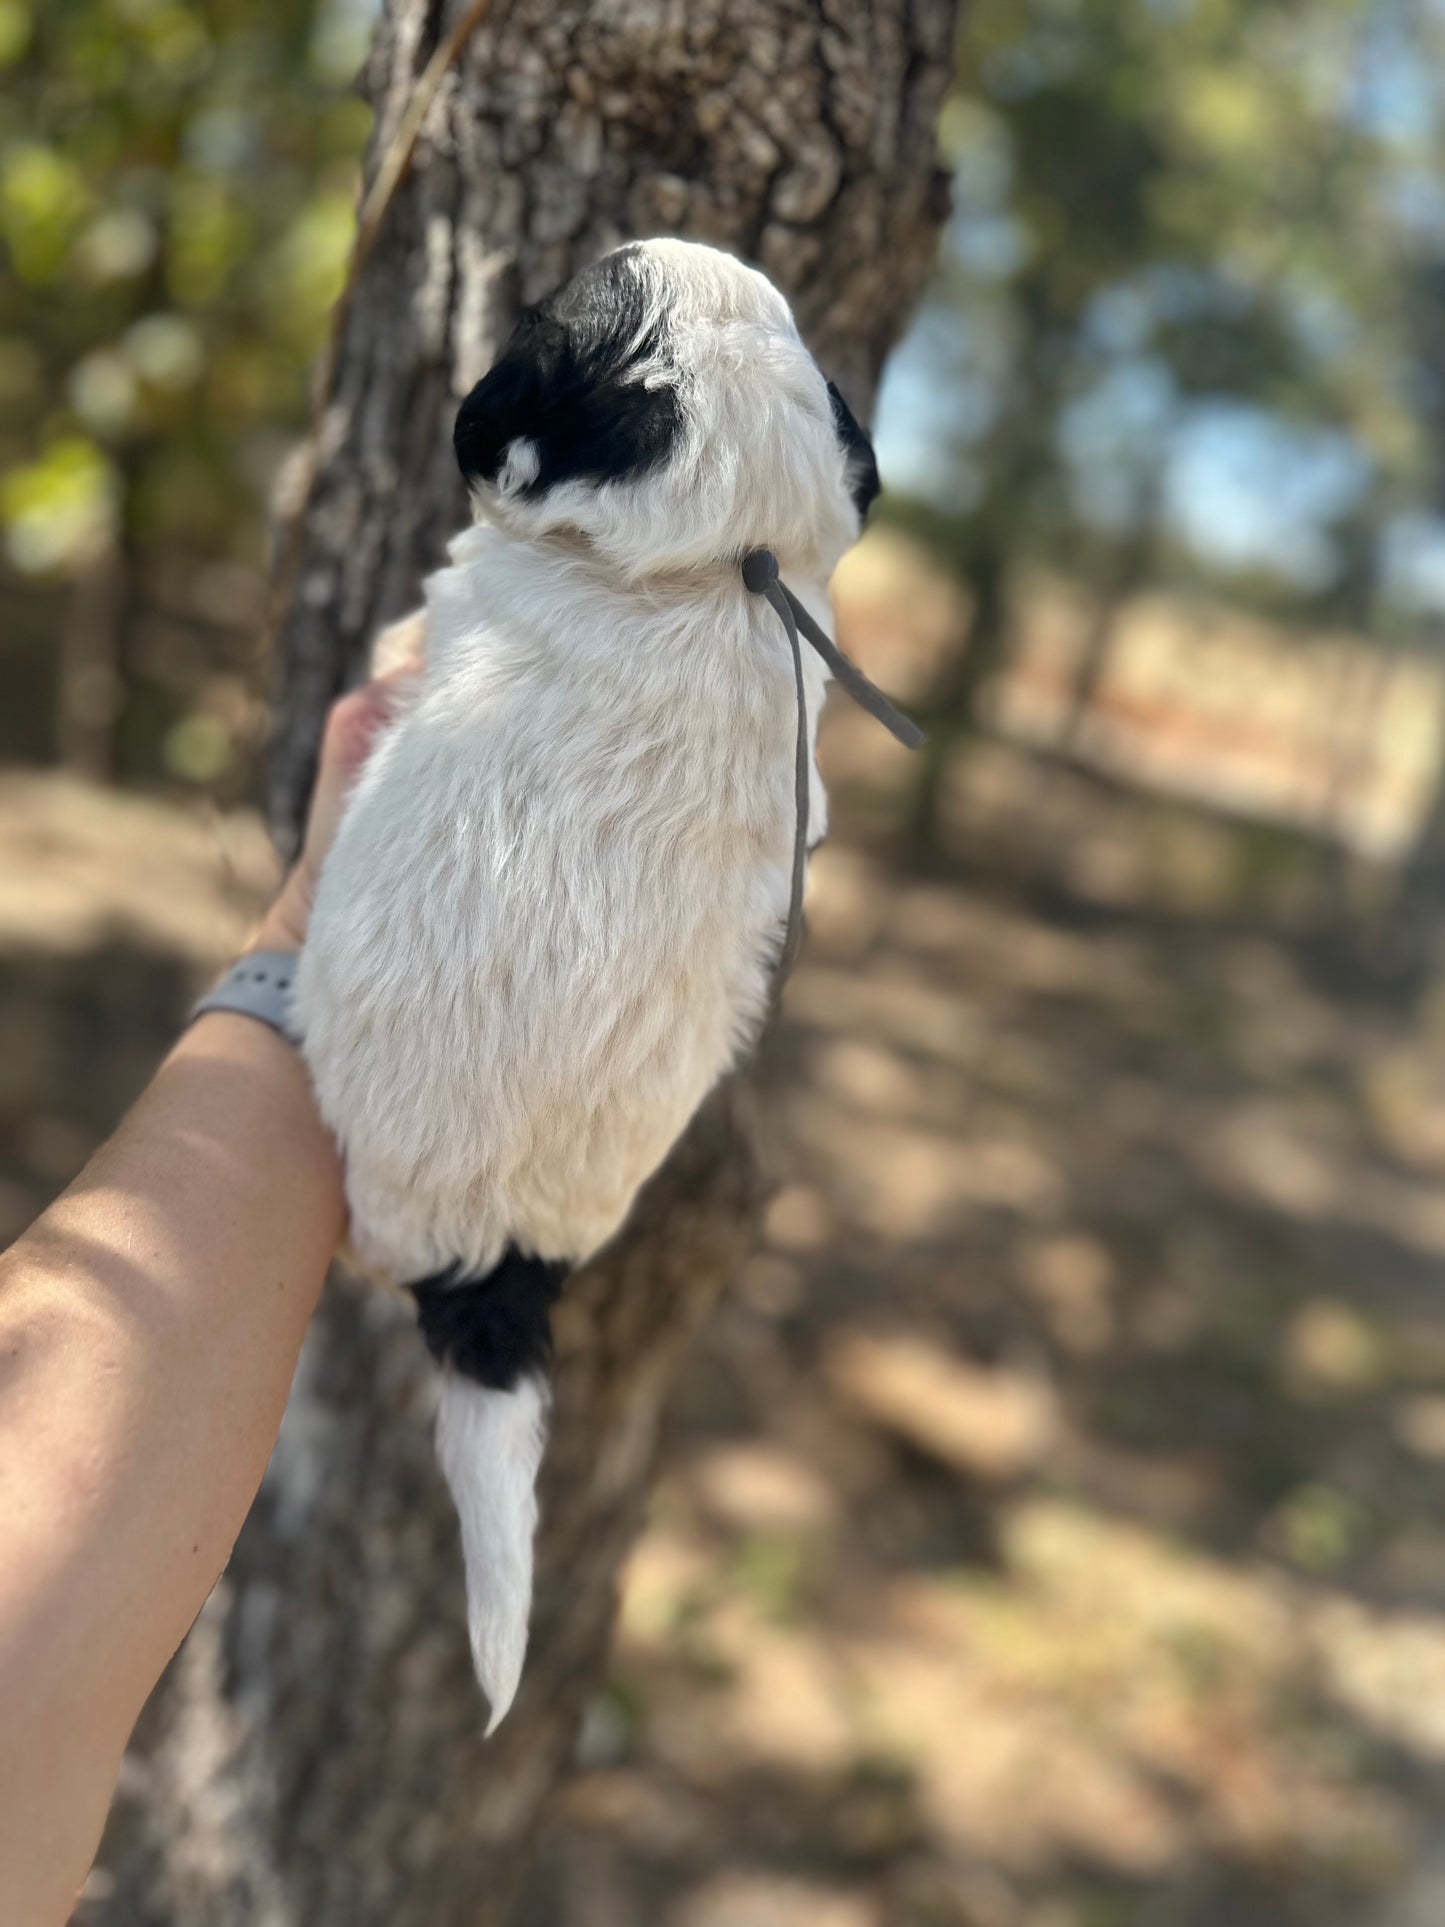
(496, 1328)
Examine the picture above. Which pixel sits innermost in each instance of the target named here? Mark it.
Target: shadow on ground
(1051, 1532)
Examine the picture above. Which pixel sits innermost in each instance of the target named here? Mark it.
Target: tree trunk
(314, 1756)
(90, 643)
(953, 704)
(1122, 577)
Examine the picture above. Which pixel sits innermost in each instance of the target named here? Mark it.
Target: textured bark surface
(314, 1755)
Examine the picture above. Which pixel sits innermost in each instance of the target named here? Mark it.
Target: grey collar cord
(760, 577)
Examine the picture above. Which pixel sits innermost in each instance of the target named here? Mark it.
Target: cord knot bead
(760, 571)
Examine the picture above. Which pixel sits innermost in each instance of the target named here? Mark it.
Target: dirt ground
(1052, 1530)
(1052, 1535)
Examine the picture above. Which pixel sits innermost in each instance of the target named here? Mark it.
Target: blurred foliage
(1187, 324)
(176, 195)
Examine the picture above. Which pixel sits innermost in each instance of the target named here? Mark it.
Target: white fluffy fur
(547, 923)
(490, 1448)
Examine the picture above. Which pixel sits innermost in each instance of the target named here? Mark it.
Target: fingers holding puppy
(353, 724)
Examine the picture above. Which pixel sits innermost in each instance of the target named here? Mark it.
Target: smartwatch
(257, 985)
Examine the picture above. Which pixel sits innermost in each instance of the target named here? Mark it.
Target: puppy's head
(663, 406)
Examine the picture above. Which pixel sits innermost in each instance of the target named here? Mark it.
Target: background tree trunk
(314, 1755)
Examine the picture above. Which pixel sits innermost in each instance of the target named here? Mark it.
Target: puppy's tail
(492, 1338)
(490, 1446)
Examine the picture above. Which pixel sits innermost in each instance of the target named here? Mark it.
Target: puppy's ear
(508, 403)
(863, 483)
(582, 382)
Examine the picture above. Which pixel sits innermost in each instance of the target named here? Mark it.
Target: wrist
(284, 925)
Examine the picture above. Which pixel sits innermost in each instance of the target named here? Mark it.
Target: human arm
(150, 1323)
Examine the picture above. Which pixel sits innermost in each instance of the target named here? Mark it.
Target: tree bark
(314, 1756)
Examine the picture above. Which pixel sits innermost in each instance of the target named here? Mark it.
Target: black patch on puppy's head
(863, 483)
(569, 382)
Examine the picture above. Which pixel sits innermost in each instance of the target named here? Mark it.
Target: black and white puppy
(550, 916)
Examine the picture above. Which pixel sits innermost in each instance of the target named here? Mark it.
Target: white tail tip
(490, 1447)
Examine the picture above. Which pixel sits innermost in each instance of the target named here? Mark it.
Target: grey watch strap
(257, 985)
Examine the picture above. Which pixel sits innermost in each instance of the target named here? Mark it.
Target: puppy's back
(547, 923)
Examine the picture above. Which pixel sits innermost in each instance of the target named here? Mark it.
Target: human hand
(352, 725)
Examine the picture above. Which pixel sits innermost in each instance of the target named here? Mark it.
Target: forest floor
(1051, 1532)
